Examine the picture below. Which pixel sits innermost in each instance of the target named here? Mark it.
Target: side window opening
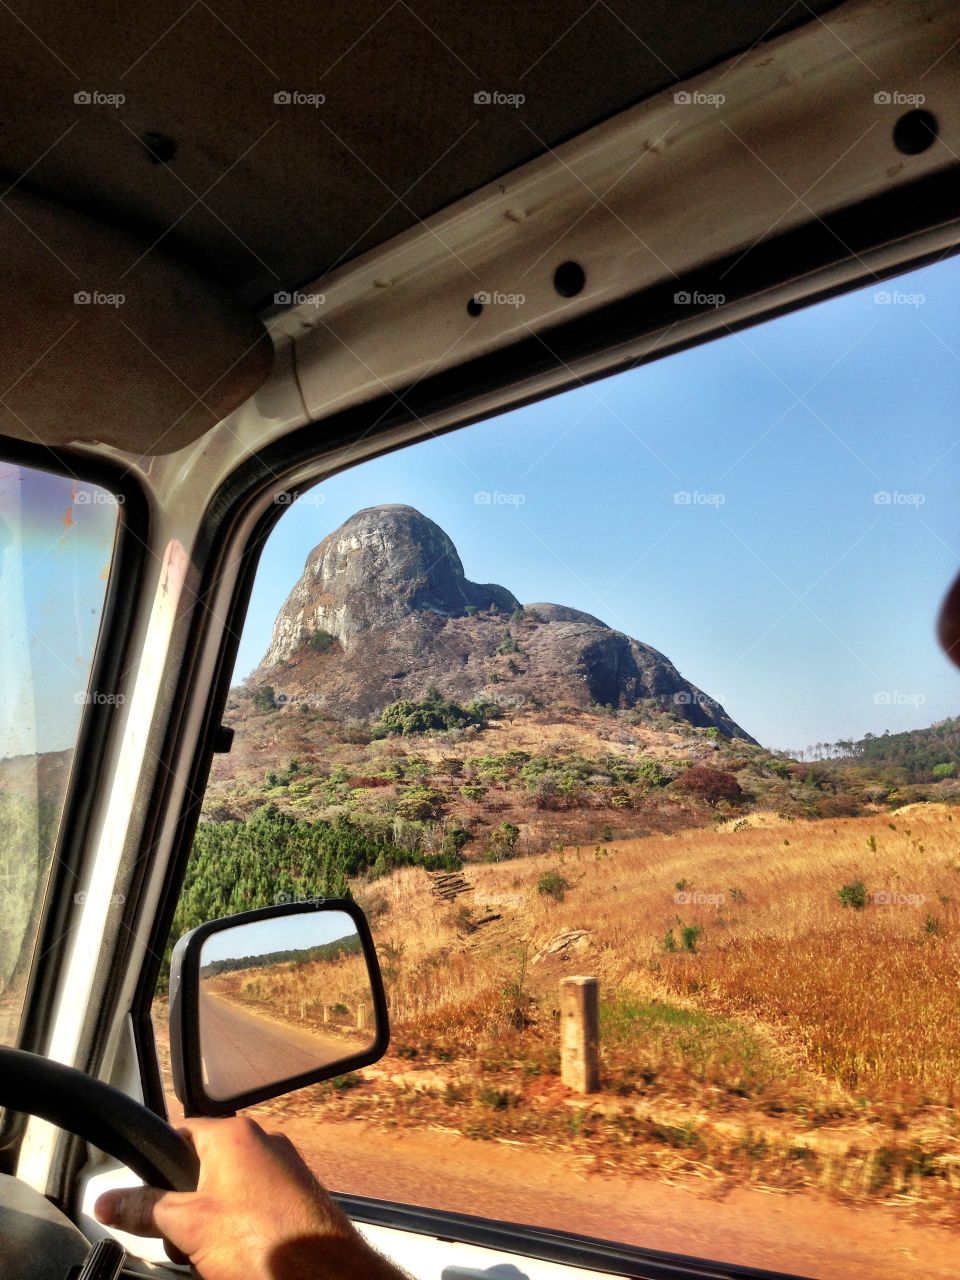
(56, 545)
(639, 685)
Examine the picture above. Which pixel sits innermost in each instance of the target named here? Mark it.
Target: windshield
(56, 545)
(634, 692)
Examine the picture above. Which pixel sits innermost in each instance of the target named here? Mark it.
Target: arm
(258, 1213)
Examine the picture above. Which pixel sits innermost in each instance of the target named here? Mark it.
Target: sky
(284, 933)
(775, 511)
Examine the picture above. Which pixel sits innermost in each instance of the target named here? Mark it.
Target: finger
(130, 1209)
(135, 1210)
(280, 1142)
(174, 1254)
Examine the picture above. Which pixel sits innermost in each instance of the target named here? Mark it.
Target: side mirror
(269, 1001)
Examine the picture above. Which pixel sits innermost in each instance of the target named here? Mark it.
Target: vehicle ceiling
(200, 167)
(267, 196)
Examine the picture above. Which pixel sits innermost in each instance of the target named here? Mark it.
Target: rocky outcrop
(379, 567)
(389, 587)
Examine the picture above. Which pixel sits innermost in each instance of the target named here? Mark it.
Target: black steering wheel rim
(101, 1115)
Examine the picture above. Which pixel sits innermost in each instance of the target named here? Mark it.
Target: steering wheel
(101, 1115)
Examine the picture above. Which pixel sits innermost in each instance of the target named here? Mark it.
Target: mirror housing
(320, 944)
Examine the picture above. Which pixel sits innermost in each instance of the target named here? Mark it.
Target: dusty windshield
(56, 543)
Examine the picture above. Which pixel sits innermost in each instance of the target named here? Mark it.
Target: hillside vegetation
(518, 792)
(918, 755)
(556, 776)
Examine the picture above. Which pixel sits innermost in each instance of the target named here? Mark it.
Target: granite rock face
(383, 611)
(381, 565)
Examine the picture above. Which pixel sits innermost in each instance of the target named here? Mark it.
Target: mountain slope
(383, 610)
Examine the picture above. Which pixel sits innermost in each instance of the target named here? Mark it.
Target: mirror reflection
(279, 998)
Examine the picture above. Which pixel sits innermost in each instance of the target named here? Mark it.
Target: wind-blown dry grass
(752, 1026)
(867, 998)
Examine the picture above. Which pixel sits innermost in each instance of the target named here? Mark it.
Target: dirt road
(803, 1233)
(252, 1051)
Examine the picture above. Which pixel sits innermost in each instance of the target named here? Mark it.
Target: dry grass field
(780, 1004)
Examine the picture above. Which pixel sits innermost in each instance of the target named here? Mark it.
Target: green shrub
(264, 698)
(780, 768)
(853, 895)
(508, 644)
(320, 641)
(690, 935)
(350, 1081)
(496, 1099)
(553, 885)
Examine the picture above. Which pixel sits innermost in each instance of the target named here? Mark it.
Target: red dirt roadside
(802, 1233)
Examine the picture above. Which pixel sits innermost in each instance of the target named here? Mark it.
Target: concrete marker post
(580, 1034)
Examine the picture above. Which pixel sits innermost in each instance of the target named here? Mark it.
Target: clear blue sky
(285, 933)
(782, 588)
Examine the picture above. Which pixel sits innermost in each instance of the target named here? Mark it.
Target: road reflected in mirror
(279, 998)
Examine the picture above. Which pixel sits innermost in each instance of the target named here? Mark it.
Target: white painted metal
(427, 1258)
(789, 131)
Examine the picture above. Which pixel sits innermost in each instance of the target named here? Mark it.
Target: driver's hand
(258, 1213)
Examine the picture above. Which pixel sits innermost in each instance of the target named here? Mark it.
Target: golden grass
(868, 997)
(798, 1042)
(301, 992)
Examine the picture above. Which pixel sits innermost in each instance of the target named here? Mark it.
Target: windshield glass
(56, 544)
(622, 715)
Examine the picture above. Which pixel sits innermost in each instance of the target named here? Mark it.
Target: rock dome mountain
(383, 610)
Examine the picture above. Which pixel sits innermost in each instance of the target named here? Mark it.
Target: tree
(433, 712)
(710, 785)
(421, 804)
(503, 841)
(271, 858)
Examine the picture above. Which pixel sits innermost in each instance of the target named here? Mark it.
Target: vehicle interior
(252, 249)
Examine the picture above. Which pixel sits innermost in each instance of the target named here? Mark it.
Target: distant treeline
(323, 951)
(917, 755)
